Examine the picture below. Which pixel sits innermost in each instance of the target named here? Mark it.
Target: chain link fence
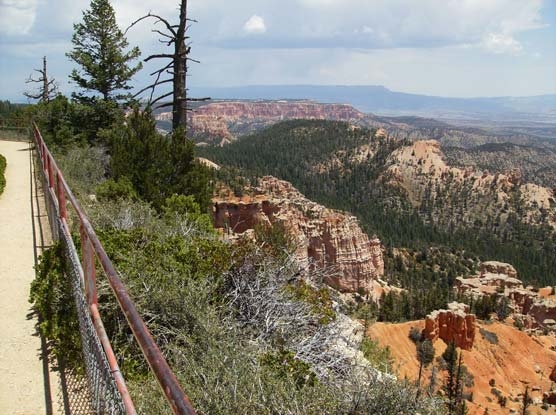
(106, 391)
(95, 391)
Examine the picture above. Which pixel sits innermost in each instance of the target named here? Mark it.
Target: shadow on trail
(73, 394)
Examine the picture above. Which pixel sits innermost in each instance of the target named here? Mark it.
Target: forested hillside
(347, 168)
(535, 164)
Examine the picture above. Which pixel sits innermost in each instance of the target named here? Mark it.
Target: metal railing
(108, 390)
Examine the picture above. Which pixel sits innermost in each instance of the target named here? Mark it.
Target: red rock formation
(325, 238)
(544, 314)
(527, 305)
(549, 397)
(522, 300)
(214, 119)
(279, 110)
(212, 125)
(450, 325)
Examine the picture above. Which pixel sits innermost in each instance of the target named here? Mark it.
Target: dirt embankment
(502, 357)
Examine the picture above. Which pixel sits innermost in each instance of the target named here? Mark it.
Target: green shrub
(51, 295)
(283, 364)
(116, 189)
(379, 357)
(2, 172)
(83, 167)
(415, 334)
(179, 208)
(318, 298)
(158, 166)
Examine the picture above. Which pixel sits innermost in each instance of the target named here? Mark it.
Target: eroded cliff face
(278, 110)
(221, 122)
(454, 324)
(325, 238)
(535, 309)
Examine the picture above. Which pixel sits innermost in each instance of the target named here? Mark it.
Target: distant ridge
(382, 101)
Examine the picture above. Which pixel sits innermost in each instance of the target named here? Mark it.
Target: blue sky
(459, 48)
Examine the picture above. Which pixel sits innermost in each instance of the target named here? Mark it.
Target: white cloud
(501, 43)
(378, 24)
(255, 24)
(17, 16)
(425, 46)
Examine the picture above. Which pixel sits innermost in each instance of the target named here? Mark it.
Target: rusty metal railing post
(89, 271)
(50, 172)
(61, 194)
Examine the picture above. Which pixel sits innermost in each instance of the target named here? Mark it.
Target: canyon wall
(220, 122)
(325, 238)
(464, 196)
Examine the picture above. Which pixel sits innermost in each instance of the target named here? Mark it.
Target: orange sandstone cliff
(502, 358)
(324, 238)
(453, 324)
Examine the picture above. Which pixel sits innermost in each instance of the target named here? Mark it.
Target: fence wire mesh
(96, 391)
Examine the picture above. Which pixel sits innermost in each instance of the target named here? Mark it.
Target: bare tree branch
(48, 87)
(162, 97)
(152, 86)
(161, 70)
(159, 19)
(161, 55)
(174, 34)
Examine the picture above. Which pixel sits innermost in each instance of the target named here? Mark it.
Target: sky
(454, 48)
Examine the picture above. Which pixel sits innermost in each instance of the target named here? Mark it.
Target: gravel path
(25, 381)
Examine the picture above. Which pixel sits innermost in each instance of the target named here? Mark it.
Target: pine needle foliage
(99, 49)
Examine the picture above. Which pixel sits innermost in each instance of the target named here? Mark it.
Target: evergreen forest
(319, 158)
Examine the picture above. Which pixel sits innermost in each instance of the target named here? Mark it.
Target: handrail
(91, 248)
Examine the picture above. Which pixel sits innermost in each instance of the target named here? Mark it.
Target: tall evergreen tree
(158, 166)
(526, 402)
(99, 48)
(425, 356)
(451, 387)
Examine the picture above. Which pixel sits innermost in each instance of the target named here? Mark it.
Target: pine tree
(450, 356)
(99, 50)
(158, 166)
(526, 402)
(425, 355)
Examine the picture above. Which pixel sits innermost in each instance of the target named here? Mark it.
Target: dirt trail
(26, 383)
